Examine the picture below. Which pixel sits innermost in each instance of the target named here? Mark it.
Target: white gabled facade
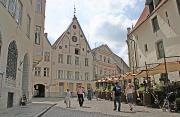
(156, 32)
(72, 61)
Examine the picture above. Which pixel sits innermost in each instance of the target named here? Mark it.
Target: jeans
(117, 99)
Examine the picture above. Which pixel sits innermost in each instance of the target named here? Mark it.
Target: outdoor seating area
(147, 93)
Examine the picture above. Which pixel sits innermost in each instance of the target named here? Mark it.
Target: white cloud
(103, 21)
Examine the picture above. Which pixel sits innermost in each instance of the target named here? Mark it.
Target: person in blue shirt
(117, 97)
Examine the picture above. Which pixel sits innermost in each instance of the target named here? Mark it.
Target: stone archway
(25, 76)
(39, 90)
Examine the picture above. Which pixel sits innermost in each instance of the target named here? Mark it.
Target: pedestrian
(129, 95)
(80, 93)
(117, 96)
(68, 99)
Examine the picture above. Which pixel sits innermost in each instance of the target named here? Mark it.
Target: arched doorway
(25, 76)
(39, 90)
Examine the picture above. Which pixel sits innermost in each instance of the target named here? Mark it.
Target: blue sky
(103, 21)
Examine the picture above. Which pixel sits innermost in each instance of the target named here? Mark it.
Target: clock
(74, 26)
(74, 38)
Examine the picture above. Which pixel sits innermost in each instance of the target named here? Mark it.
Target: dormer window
(150, 3)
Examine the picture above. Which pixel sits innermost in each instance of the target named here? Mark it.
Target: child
(68, 99)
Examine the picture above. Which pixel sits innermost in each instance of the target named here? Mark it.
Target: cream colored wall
(12, 31)
(46, 81)
(67, 40)
(169, 34)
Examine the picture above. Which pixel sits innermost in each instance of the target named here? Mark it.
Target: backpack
(118, 90)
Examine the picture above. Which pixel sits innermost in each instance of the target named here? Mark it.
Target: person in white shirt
(80, 93)
(129, 95)
(68, 99)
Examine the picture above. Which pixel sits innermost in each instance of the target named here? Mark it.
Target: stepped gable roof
(146, 14)
(62, 36)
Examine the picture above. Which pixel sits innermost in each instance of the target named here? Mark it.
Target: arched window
(0, 43)
(11, 67)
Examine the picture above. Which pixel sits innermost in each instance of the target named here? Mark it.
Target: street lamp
(134, 62)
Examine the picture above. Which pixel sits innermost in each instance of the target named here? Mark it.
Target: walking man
(117, 97)
(80, 92)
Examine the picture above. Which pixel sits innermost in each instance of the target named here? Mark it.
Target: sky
(103, 21)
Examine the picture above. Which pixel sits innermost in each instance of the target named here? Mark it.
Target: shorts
(130, 97)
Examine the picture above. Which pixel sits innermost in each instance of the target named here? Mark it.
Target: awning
(160, 68)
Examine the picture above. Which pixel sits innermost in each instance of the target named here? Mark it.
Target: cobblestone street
(44, 107)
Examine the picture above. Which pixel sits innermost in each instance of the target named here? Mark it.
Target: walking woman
(80, 92)
(129, 95)
(68, 99)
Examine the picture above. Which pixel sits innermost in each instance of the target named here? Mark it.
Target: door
(61, 89)
(10, 100)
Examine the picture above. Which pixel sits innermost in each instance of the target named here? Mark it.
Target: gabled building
(64, 65)
(72, 61)
(16, 42)
(156, 36)
(106, 63)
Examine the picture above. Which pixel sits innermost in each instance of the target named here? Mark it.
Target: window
(76, 60)
(76, 75)
(46, 56)
(160, 49)
(0, 43)
(37, 35)
(69, 75)
(68, 59)
(38, 6)
(3, 2)
(108, 60)
(100, 57)
(86, 76)
(145, 47)
(77, 51)
(60, 58)
(100, 71)
(46, 72)
(60, 74)
(155, 24)
(86, 61)
(178, 5)
(28, 26)
(167, 18)
(104, 59)
(37, 71)
(105, 71)
(150, 3)
(12, 7)
(18, 12)
(11, 67)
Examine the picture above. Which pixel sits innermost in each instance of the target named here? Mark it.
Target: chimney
(128, 30)
(46, 35)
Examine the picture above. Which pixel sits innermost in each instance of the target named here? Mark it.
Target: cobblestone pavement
(30, 110)
(92, 108)
(103, 109)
